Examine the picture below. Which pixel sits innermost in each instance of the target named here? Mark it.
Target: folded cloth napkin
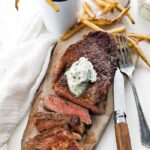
(23, 64)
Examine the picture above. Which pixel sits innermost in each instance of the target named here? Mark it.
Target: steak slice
(59, 105)
(101, 51)
(58, 139)
(49, 120)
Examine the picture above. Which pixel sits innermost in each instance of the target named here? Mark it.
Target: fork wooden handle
(122, 136)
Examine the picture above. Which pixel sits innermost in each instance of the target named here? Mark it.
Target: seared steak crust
(59, 105)
(49, 120)
(57, 138)
(100, 49)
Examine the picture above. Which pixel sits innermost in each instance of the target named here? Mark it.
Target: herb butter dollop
(79, 75)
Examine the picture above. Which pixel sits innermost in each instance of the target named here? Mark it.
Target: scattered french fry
(106, 9)
(104, 6)
(88, 10)
(89, 7)
(139, 51)
(117, 30)
(86, 17)
(140, 36)
(81, 14)
(72, 31)
(16, 4)
(138, 40)
(92, 25)
(109, 8)
(101, 3)
(121, 14)
(127, 14)
(100, 7)
(121, 8)
(96, 28)
(101, 22)
(111, 1)
(53, 5)
(112, 6)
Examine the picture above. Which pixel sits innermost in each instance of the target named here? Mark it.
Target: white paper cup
(60, 22)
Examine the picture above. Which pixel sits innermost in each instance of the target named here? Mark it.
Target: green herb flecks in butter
(79, 75)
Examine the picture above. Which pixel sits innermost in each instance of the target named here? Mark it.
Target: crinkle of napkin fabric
(23, 64)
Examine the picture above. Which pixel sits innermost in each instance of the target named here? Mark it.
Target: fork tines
(124, 49)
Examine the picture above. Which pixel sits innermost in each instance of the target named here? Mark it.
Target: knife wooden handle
(122, 136)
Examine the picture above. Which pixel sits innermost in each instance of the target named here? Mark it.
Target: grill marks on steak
(49, 120)
(59, 105)
(100, 49)
(57, 138)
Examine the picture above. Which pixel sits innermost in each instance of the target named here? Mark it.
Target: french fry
(72, 31)
(138, 40)
(86, 17)
(53, 5)
(121, 8)
(101, 22)
(99, 6)
(81, 14)
(109, 8)
(96, 28)
(79, 26)
(16, 4)
(104, 6)
(88, 10)
(140, 36)
(92, 25)
(89, 6)
(101, 3)
(117, 30)
(112, 6)
(139, 51)
(121, 14)
(111, 1)
(106, 9)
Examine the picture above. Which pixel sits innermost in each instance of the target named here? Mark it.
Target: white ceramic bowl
(59, 22)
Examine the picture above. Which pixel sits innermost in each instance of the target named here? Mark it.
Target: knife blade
(119, 92)
(121, 127)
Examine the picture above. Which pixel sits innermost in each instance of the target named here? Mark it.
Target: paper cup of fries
(59, 15)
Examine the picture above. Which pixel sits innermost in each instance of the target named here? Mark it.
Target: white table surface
(141, 76)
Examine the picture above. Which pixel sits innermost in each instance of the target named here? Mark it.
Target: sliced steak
(49, 120)
(59, 105)
(58, 139)
(101, 51)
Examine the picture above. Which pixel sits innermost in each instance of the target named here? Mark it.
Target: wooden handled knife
(121, 126)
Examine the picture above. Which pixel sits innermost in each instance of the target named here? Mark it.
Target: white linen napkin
(23, 63)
